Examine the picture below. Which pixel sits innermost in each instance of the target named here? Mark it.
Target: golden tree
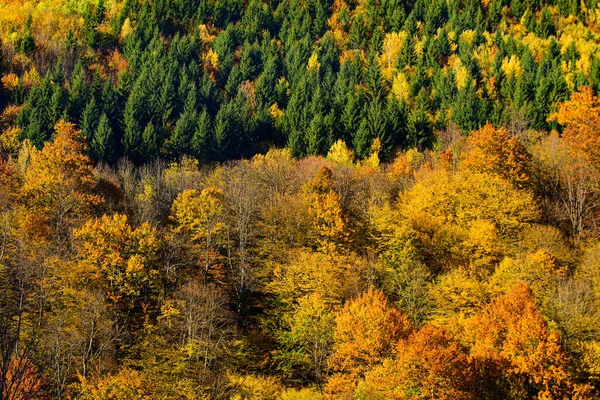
(60, 181)
(495, 151)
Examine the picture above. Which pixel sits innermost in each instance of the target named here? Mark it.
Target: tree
(332, 230)
(78, 92)
(473, 214)
(122, 261)
(512, 333)
(201, 145)
(102, 144)
(200, 214)
(366, 330)
(307, 338)
(496, 151)
(429, 364)
(580, 117)
(89, 120)
(60, 181)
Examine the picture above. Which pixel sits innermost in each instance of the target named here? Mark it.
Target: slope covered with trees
(299, 200)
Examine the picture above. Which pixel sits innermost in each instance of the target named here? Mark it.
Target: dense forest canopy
(229, 79)
(299, 199)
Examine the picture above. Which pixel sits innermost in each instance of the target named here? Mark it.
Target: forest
(299, 199)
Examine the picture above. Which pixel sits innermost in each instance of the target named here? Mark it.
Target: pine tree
(351, 116)
(419, 132)
(150, 141)
(361, 139)
(223, 131)
(465, 112)
(132, 138)
(89, 120)
(78, 92)
(377, 122)
(373, 78)
(315, 135)
(358, 33)
(58, 103)
(102, 144)
(545, 28)
(27, 43)
(264, 90)
(201, 145)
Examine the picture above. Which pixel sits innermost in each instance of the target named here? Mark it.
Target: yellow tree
(59, 181)
(495, 151)
(332, 230)
(306, 342)
(200, 214)
(121, 260)
(466, 219)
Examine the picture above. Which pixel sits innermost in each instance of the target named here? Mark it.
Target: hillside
(299, 200)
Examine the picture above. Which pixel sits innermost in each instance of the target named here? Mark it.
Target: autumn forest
(299, 199)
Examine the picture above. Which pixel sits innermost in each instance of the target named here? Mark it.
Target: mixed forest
(299, 199)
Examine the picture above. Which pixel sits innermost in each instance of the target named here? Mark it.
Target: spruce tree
(78, 92)
(419, 129)
(102, 144)
(89, 120)
(361, 139)
(27, 43)
(150, 141)
(201, 145)
(358, 33)
(315, 135)
(58, 104)
(546, 28)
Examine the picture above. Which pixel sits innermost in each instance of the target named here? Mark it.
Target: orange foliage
(430, 364)
(60, 181)
(496, 151)
(366, 331)
(512, 333)
(581, 118)
(23, 382)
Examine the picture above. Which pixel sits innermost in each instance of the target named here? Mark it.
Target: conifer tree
(361, 139)
(201, 145)
(78, 92)
(150, 141)
(419, 132)
(102, 143)
(89, 120)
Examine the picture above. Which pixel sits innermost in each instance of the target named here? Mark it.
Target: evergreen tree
(545, 28)
(419, 129)
(150, 141)
(133, 123)
(358, 33)
(58, 103)
(27, 43)
(201, 145)
(78, 92)
(361, 140)
(373, 78)
(102, 144)
(465, 112)
(89, 120)
(316, 135)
